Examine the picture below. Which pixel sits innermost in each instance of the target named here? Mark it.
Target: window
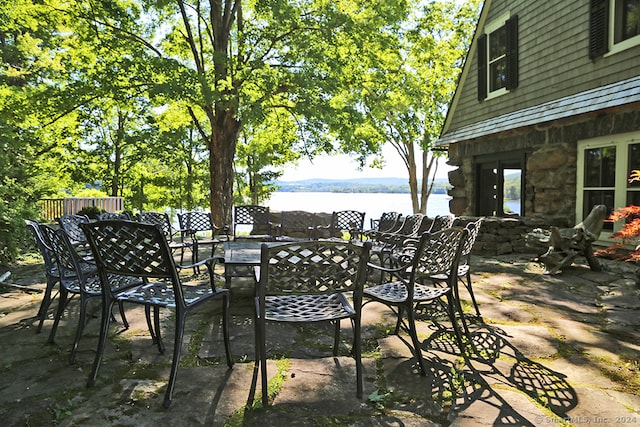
(604, 167)
(498, 57)
(614, 26)
(500, 184)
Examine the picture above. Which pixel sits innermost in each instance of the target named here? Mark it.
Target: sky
(345, 167)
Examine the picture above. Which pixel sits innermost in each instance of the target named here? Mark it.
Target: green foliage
(93, 212)
(194, 109)
(629, 234)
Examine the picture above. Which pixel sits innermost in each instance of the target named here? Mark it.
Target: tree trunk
(222, 149)
(413, 177)
(117, 148)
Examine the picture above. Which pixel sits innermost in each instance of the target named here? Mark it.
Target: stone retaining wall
(499, 236)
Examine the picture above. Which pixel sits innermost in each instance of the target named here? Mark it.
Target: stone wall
(550, 172)
(499, 236)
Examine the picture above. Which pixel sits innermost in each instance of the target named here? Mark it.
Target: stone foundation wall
(499, 236)
(550, 172)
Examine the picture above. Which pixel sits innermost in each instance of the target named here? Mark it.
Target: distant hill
(356, 185)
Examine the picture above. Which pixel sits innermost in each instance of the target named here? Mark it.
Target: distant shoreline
(358, 185)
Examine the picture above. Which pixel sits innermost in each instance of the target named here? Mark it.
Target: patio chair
(133, 249)
(70, 224)
(50, 268)
(199, 227)
(306, 282)
(257, 218)
(78, 276)
(347, 221)
(412, 284)
(464, 268)
(175, 238)
(385, 223)
(441, 222)
(295, 226)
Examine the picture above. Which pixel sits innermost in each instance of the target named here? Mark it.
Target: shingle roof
(603, 97)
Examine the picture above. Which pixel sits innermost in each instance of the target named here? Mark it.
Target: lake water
(373, 204)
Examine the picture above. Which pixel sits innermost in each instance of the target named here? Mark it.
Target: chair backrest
(196, 221)
(312, 267)
(473, 229)
(132, 249)
(160, 219)
(257, 216)
(68, 261)
(347, 220)
(44, 247)
(441, 222)
(411, 225)
(387, 221)
(113, 215)
(70, 224)
(299, 221)
(437, 254)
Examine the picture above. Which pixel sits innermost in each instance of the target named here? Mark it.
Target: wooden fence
(55, 208)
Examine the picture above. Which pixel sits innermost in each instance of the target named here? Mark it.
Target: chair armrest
(206, 262)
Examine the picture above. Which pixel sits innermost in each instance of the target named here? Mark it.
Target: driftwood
(562, 245)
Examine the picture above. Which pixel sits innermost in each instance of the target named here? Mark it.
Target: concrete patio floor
(562, 350)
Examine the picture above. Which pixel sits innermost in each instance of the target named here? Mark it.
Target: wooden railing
(55, 208)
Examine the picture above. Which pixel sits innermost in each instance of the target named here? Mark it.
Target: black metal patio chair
(199, 227)
(346, 222)
(256, 218)
(134, 249)
(70, 224)
(414, 283)
(306, 282)
(295, 226)
(175, 238)
(78, 276)
(50, 268)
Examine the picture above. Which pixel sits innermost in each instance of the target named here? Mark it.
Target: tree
(228, 70)
(407, 90)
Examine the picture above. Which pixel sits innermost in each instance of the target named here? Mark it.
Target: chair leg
(125, 322)
(467, 284)
(82, 319)
(177, 346)
(147, 315)
(62, 302)
(399, 320)
(414, 339)
(225, 329)
(357, 355)
(46, 302)
(452, 317)
(336, 337)
(261, 353)
(156, 321)
(107, 305)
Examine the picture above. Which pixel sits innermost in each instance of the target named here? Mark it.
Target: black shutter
(598, 28)
(482, 67)
(512, 53)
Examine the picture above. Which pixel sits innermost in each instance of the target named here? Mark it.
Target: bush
(629, 234)
(93, 212)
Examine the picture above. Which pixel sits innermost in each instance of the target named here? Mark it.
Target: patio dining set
(304, 272)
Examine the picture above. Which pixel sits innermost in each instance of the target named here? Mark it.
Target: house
(550, 92)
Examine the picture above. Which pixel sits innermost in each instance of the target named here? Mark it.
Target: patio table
(240, 257)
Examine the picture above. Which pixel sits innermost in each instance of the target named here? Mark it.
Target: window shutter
(598, 28)
(482, 67)
(512, 53)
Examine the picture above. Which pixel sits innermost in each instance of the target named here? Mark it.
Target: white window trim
(623, 45)
(621, 142)
(488, 29)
